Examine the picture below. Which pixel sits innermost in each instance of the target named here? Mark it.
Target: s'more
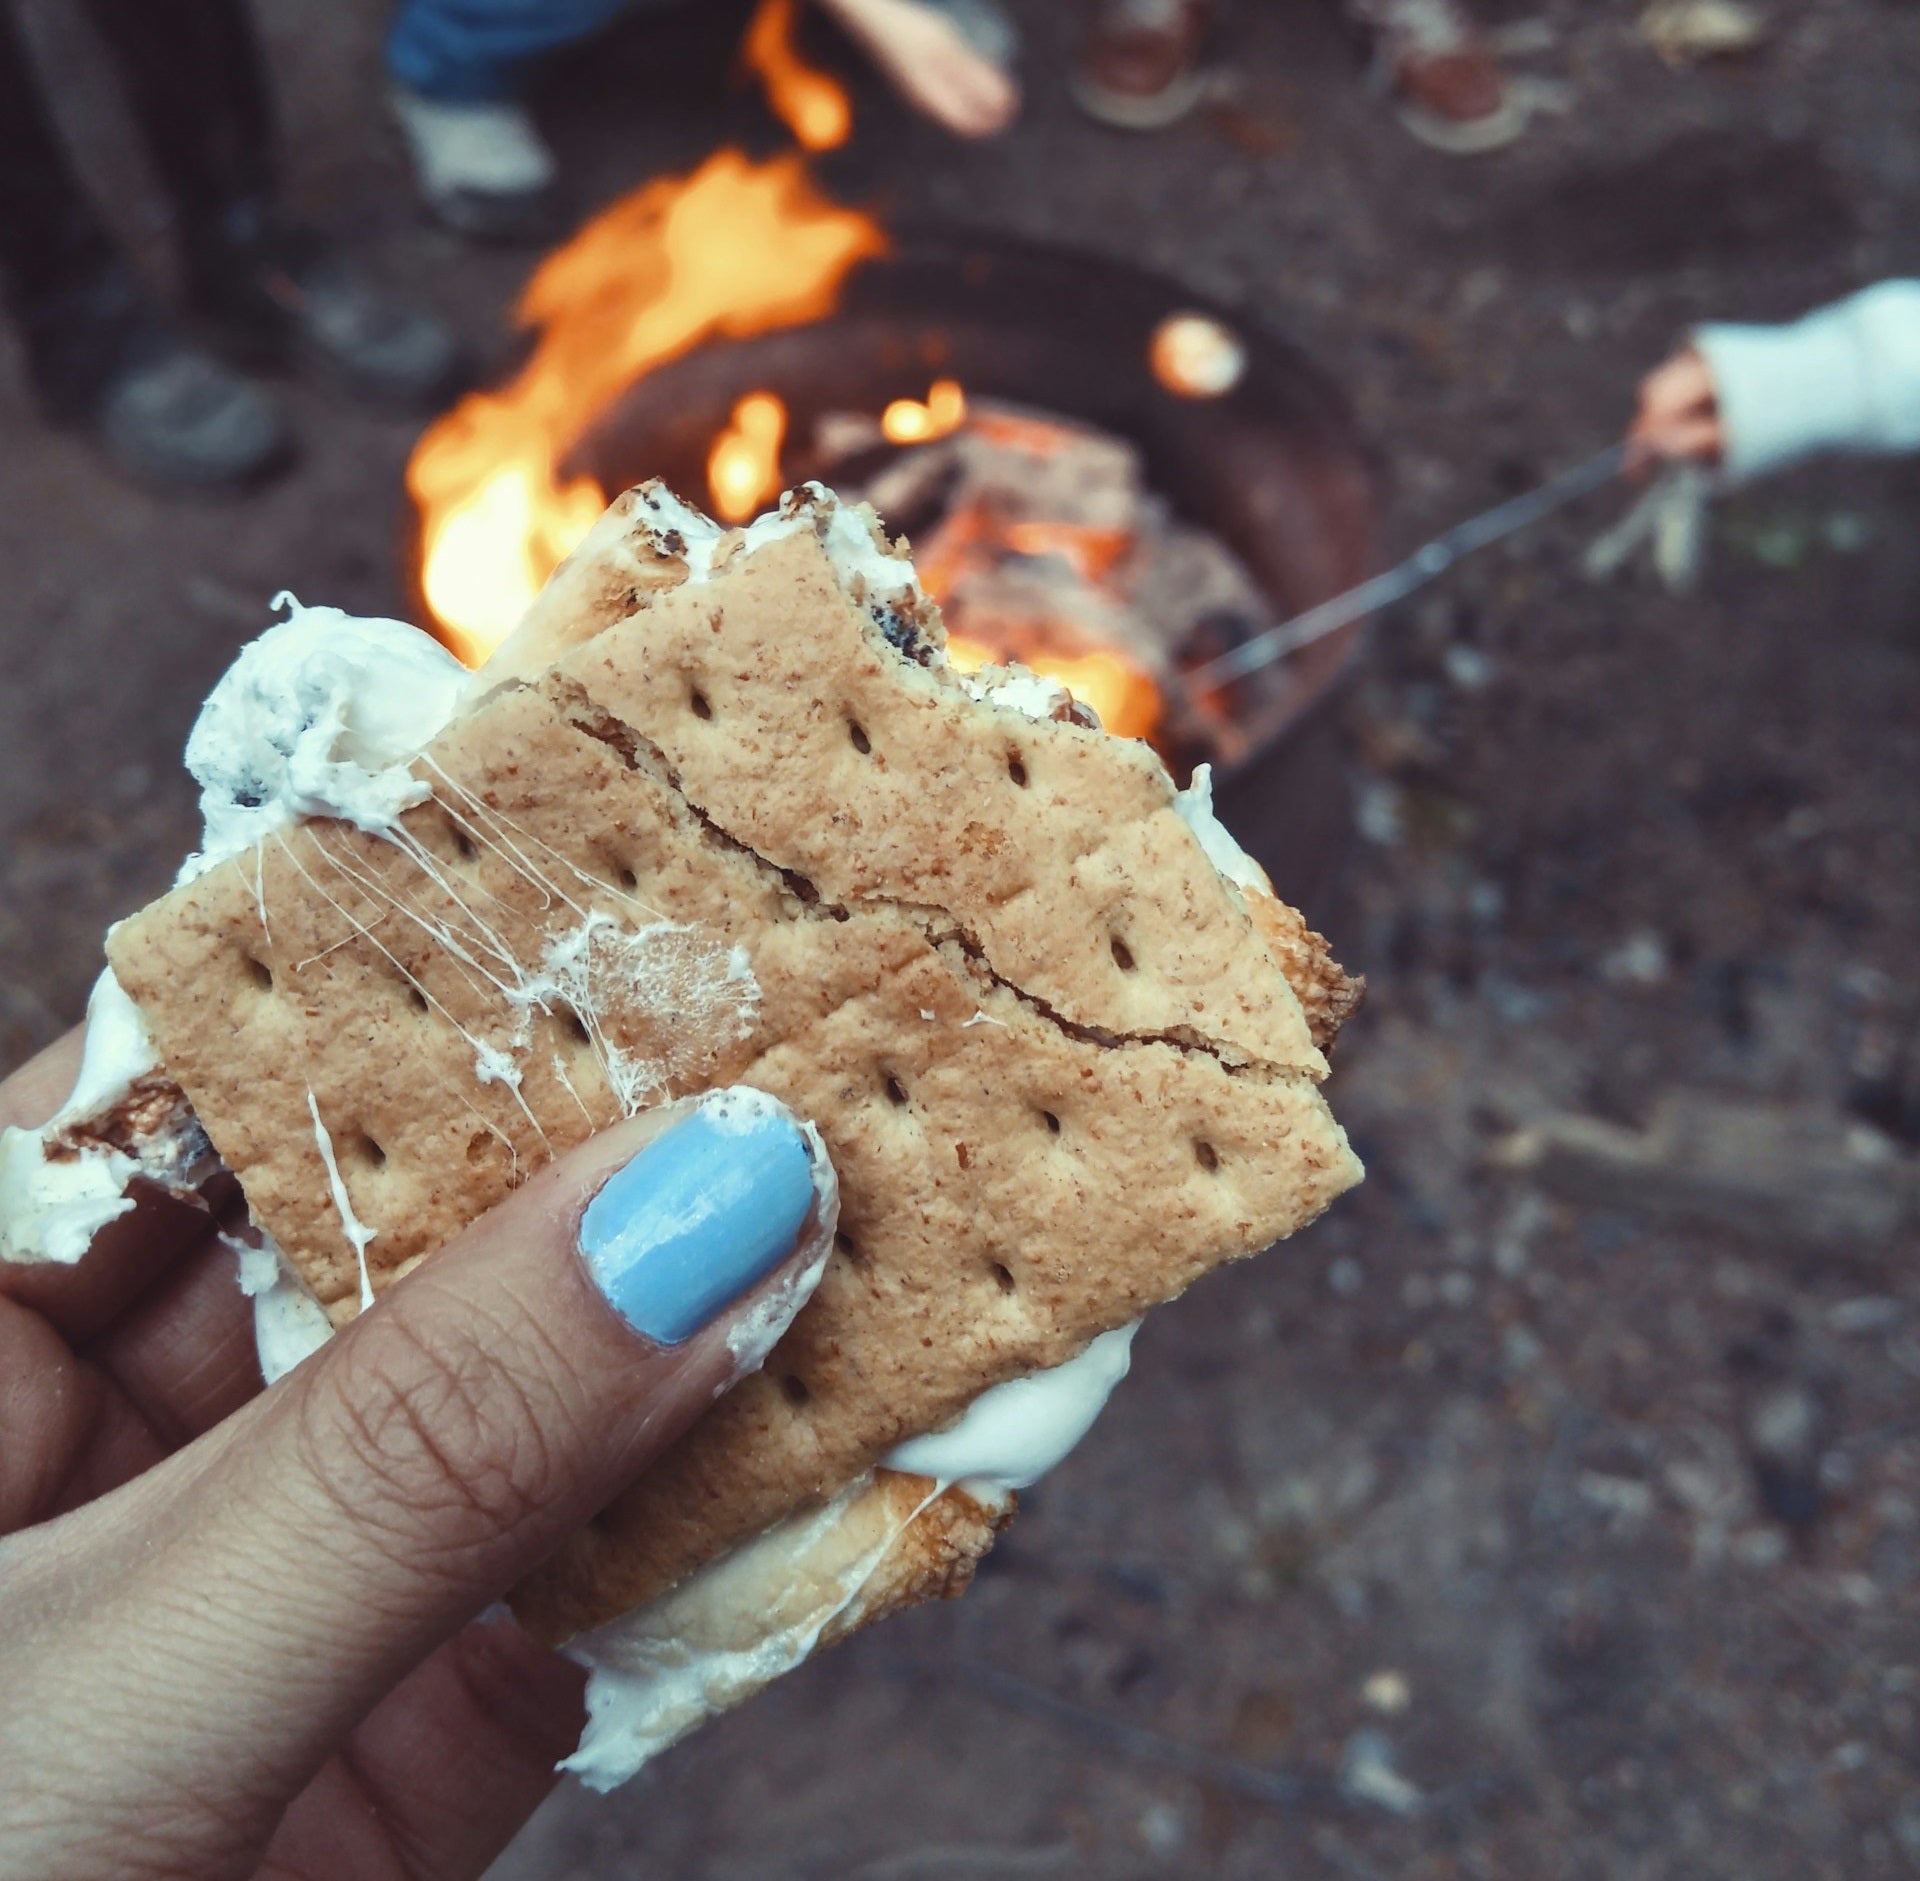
(721, 814)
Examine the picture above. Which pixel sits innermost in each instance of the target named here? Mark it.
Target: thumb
(273, 1581)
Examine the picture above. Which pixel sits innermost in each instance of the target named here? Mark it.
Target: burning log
(1043, 543)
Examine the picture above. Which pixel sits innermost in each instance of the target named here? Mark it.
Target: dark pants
(479, 51)
(192, 76)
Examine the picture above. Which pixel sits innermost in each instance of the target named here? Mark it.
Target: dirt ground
(1478, 1532)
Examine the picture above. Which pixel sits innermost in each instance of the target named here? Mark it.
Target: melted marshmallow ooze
(323, 716)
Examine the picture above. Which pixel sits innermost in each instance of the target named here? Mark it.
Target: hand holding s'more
(684, 1123)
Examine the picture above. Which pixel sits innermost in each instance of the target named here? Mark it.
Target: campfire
(1043, 543)
(1100, 479)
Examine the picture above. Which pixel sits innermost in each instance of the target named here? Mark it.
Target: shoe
(1447, 89)
(288, 297)
(1139, 68)
(177, 420)
(482, 169)
(103, 359)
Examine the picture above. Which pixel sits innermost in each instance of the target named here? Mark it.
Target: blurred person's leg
(458, 69)
(194, 74)
(98, 351)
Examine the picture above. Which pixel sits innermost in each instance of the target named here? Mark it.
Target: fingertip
(706, 1211)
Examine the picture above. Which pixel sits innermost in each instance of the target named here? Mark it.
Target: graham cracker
(773, 840)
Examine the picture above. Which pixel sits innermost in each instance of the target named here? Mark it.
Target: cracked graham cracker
(737, 834)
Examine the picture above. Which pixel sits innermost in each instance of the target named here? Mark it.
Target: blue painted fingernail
(707, 1210)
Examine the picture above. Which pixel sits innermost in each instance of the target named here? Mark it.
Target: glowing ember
(908, 421)
(735, 249)
(1122, 693)
(743, 468)
(807, 101)
(1093, 554)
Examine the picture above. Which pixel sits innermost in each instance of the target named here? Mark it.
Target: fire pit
(1233, 432)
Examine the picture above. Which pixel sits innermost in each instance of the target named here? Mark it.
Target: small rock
(1906, 1829)
(1787, 1431)
(1513, 1241)
(1625, 1498)
(1759, 1547)
(1640, 960)
(1379, 815)
(1467, 667)
(1368, 1775)
(1486, 902)
(1684, 32)
(1516, 1004)
(1870, 1313)
(1386, 1691)
(1696, 1487)
(1857, 1590)
(1346, 1277)
(1162, 1829)
(1520, 1349)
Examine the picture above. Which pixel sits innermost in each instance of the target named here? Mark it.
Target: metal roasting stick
(1422, 566)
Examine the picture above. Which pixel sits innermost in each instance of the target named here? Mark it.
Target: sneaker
(483, 169)
(1139, 68)
(174, 418)
(1446, 86)
(289, 297)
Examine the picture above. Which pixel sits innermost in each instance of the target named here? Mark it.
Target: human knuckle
(430, 1439)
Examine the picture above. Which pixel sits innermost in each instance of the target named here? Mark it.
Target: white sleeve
(1846, 378)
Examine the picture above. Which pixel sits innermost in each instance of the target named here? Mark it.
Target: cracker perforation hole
(464, 846)
(417, 999)
(480, 1146)
(896, 1092)
(575, 1025)
(844, 1244)
(1122, 955)
(795, 1388)
(1002, 1276)
(1017, 768)
(259, 973)
(699, 704)
(625, 878)
(857, 736)
(1051, 1121)
(1206, 1155)
(370, 1151)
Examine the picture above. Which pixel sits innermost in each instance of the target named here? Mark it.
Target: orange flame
(735, 249)
(908, 421)
(743, 468)
(1094, 553)
(1123, 694)
(807, 101)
